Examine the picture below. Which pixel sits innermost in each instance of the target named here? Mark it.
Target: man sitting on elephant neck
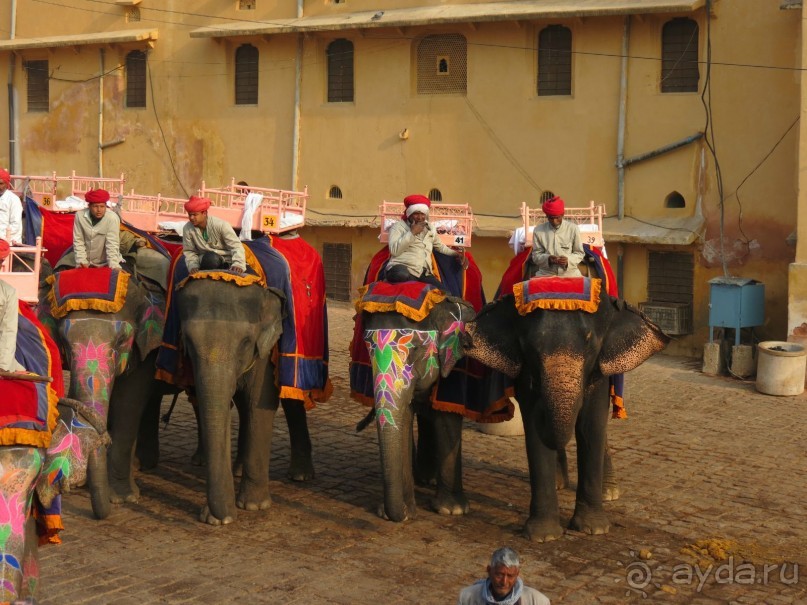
(502, 584)
(557, 247)
(208, 242)
(96, 233)
(411, 241)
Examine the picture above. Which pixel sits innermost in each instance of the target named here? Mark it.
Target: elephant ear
(273, 312)
(631, 339)
(493, 337)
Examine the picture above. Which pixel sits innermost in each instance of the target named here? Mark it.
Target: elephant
(560, 361)
(228, 332)
(30, 472)
(407, 357)
(111, 356)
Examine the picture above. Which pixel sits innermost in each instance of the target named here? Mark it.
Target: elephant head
(98, 347)
(47, 473)
(561, 361)
(228, 332)
(407, 357)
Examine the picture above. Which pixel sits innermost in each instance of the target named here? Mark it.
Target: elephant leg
(395, 446)
(147, 448)
(301, 466)
(129, 398)
(30, 562)
(589, 516)
(198, 458)
(450, 498)
(258, 405)
(19, 469)
(610, 487)
(425, 458)
(543, 524)
(562, 470)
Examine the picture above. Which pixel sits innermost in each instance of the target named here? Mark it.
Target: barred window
(340, 71)
(136, 79)
(38, 86)
(555, 61)
(435, 195)
(132, 14)
(246, 75)
(442, 64)
(679, 56)
(335, 193)
(246, 5)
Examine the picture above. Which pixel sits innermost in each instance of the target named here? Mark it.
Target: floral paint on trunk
(390, 355)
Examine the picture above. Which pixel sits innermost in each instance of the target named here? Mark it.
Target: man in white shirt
(209, 242)
(502, 586)
(557, 247)
(10, 211)
(9, 309)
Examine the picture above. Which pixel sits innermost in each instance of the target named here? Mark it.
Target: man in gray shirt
(502, 586)
(557, 247)
(411, 241)
(209, 242)
(96, 233)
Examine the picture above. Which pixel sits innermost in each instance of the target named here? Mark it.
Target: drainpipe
(298, 84)
(620, 146)
(12, 106)
(101, 115)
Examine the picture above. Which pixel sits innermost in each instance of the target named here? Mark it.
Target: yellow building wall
(494, 147)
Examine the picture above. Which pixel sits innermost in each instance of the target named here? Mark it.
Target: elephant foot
(594, 522)
(382, 513)
(198, 458)
(301, 469)
(254, 498)
(205, 516)
(610, 493)
(451, 505)
(124, 492)
(543, 530)
(146, 461)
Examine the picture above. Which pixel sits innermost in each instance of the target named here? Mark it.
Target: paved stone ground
(700, 458)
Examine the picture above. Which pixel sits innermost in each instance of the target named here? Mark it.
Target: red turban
(197, 204)
(416, 203)
(5, 177)
(5, 249)
(97, 196)
(554, 206)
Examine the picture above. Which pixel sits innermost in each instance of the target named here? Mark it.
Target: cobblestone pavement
(699, 458)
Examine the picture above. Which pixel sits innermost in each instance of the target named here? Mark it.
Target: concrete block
(742, 361)
(713, 360)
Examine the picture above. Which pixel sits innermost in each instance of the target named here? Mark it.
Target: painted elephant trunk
(395, 446)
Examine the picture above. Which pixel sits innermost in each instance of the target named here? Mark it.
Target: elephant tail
(362, 424)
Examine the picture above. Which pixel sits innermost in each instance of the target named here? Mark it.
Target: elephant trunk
(562, 388)
(215, 387)
(395, 446)
(98, 483)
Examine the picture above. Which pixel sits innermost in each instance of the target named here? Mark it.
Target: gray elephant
(407, 357)
(228, 333)
(39, 474)
(561, 361)
(110, 352)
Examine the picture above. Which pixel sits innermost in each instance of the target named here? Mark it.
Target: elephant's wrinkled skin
(561, 361)
(228, 332)
(47, 472)
(407, 357)
(111, 363)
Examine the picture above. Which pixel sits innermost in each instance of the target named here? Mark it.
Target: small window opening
(442, 65)
(246, 75)
(335, 193)
(38, 86)
(136, 79)
(435, 195)
(547, 195)
(246, 5)
(132, 14)
(675, 200)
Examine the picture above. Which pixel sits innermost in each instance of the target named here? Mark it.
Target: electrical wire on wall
(162, 132)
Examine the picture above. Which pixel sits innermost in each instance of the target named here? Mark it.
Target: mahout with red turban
(5, 177)
(197, 204)
(97, 196)
(5, 249)
(416, 203)
(554, 206)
